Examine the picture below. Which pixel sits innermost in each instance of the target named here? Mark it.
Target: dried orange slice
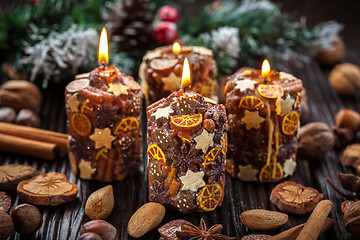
(155, 152)
(251, 103)
(163, 64)
(271, 91)
(210, 197)
(271, 173)
(224, 143)
(126, 124)
(211, 156)
(290, 123)
(230, 168)
(206, 87)
(81, 124)
(186, 122)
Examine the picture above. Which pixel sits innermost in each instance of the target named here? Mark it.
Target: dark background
(64, 221)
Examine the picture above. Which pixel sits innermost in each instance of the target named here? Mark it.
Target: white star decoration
(73, 103)
(204, 141)
(162, 112)
(85, 169)
(172, 82)
(102, 138)
(117, 89)
(192, 181)
(247, 173)
(245, 84)
(287, 105)
(289, 167)
(252, 119)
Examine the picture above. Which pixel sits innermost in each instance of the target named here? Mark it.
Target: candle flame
(186, 79)
(265, 68)
(103, 48)
(176, 48)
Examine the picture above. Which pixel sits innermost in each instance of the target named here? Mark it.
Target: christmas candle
(263, 111)
(187, 144)
(161, 69)
(103, 110)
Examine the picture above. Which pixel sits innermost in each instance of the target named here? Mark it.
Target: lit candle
(187, 146)
(161, 70)
(263, 109)
(104, 110)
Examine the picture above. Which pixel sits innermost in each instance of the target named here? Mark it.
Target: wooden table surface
(64, 221)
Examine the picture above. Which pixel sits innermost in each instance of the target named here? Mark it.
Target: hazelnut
(7, 114)
(347, 118)
(20, 94)
(27, 218)
(90, 236)
(6, 225)
(345, 79)
(332, 54)
(28, 118)
(104, 229)
(315, 140)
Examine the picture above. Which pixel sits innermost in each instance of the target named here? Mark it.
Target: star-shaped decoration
(287, 105)
(162, 112)
(252, 119)
(117, 89)
(172, 82)
(204, 141)
(73, 103)
(278, 105)
(86, 170)
(247, 173)
(245, 84)
(192, 181)
(289, 167)
(102, 138)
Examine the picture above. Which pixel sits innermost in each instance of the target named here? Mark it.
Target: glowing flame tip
(176, 48)
(265, 68)
(186, 79)
(103, 47)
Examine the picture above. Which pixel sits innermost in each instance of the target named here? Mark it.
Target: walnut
(315, 139)
(352, 219)
(351, 157)
(345, 79)
(20, 94)
(333, 54)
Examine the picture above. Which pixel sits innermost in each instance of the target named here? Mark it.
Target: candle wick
(265, 80)
(104, 66)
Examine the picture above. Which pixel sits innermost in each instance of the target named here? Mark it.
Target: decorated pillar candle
(263, 111)
(187, 144)
(161, 69)
(104, 110)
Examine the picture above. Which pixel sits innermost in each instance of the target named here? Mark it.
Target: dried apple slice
(47, 189)
(161, 64)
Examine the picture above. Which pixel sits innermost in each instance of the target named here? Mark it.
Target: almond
(100, 203)
(260, 219)
(145, 219)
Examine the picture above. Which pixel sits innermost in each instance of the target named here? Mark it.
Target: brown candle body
(263, 125)
(161, 70)
(104, 113)
(186, 163)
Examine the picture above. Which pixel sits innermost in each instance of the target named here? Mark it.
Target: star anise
(158, 193)
(191, 232)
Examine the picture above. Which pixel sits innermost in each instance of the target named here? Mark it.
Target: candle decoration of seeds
(104, 110)
(187, 145)
(161, 69)
(263, 124)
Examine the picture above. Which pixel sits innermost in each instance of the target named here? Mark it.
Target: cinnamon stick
(292, 233)
(59, 139)
(314, 224)
(13, 144)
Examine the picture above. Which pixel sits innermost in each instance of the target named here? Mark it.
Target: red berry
(165, 33)
(168, 13)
